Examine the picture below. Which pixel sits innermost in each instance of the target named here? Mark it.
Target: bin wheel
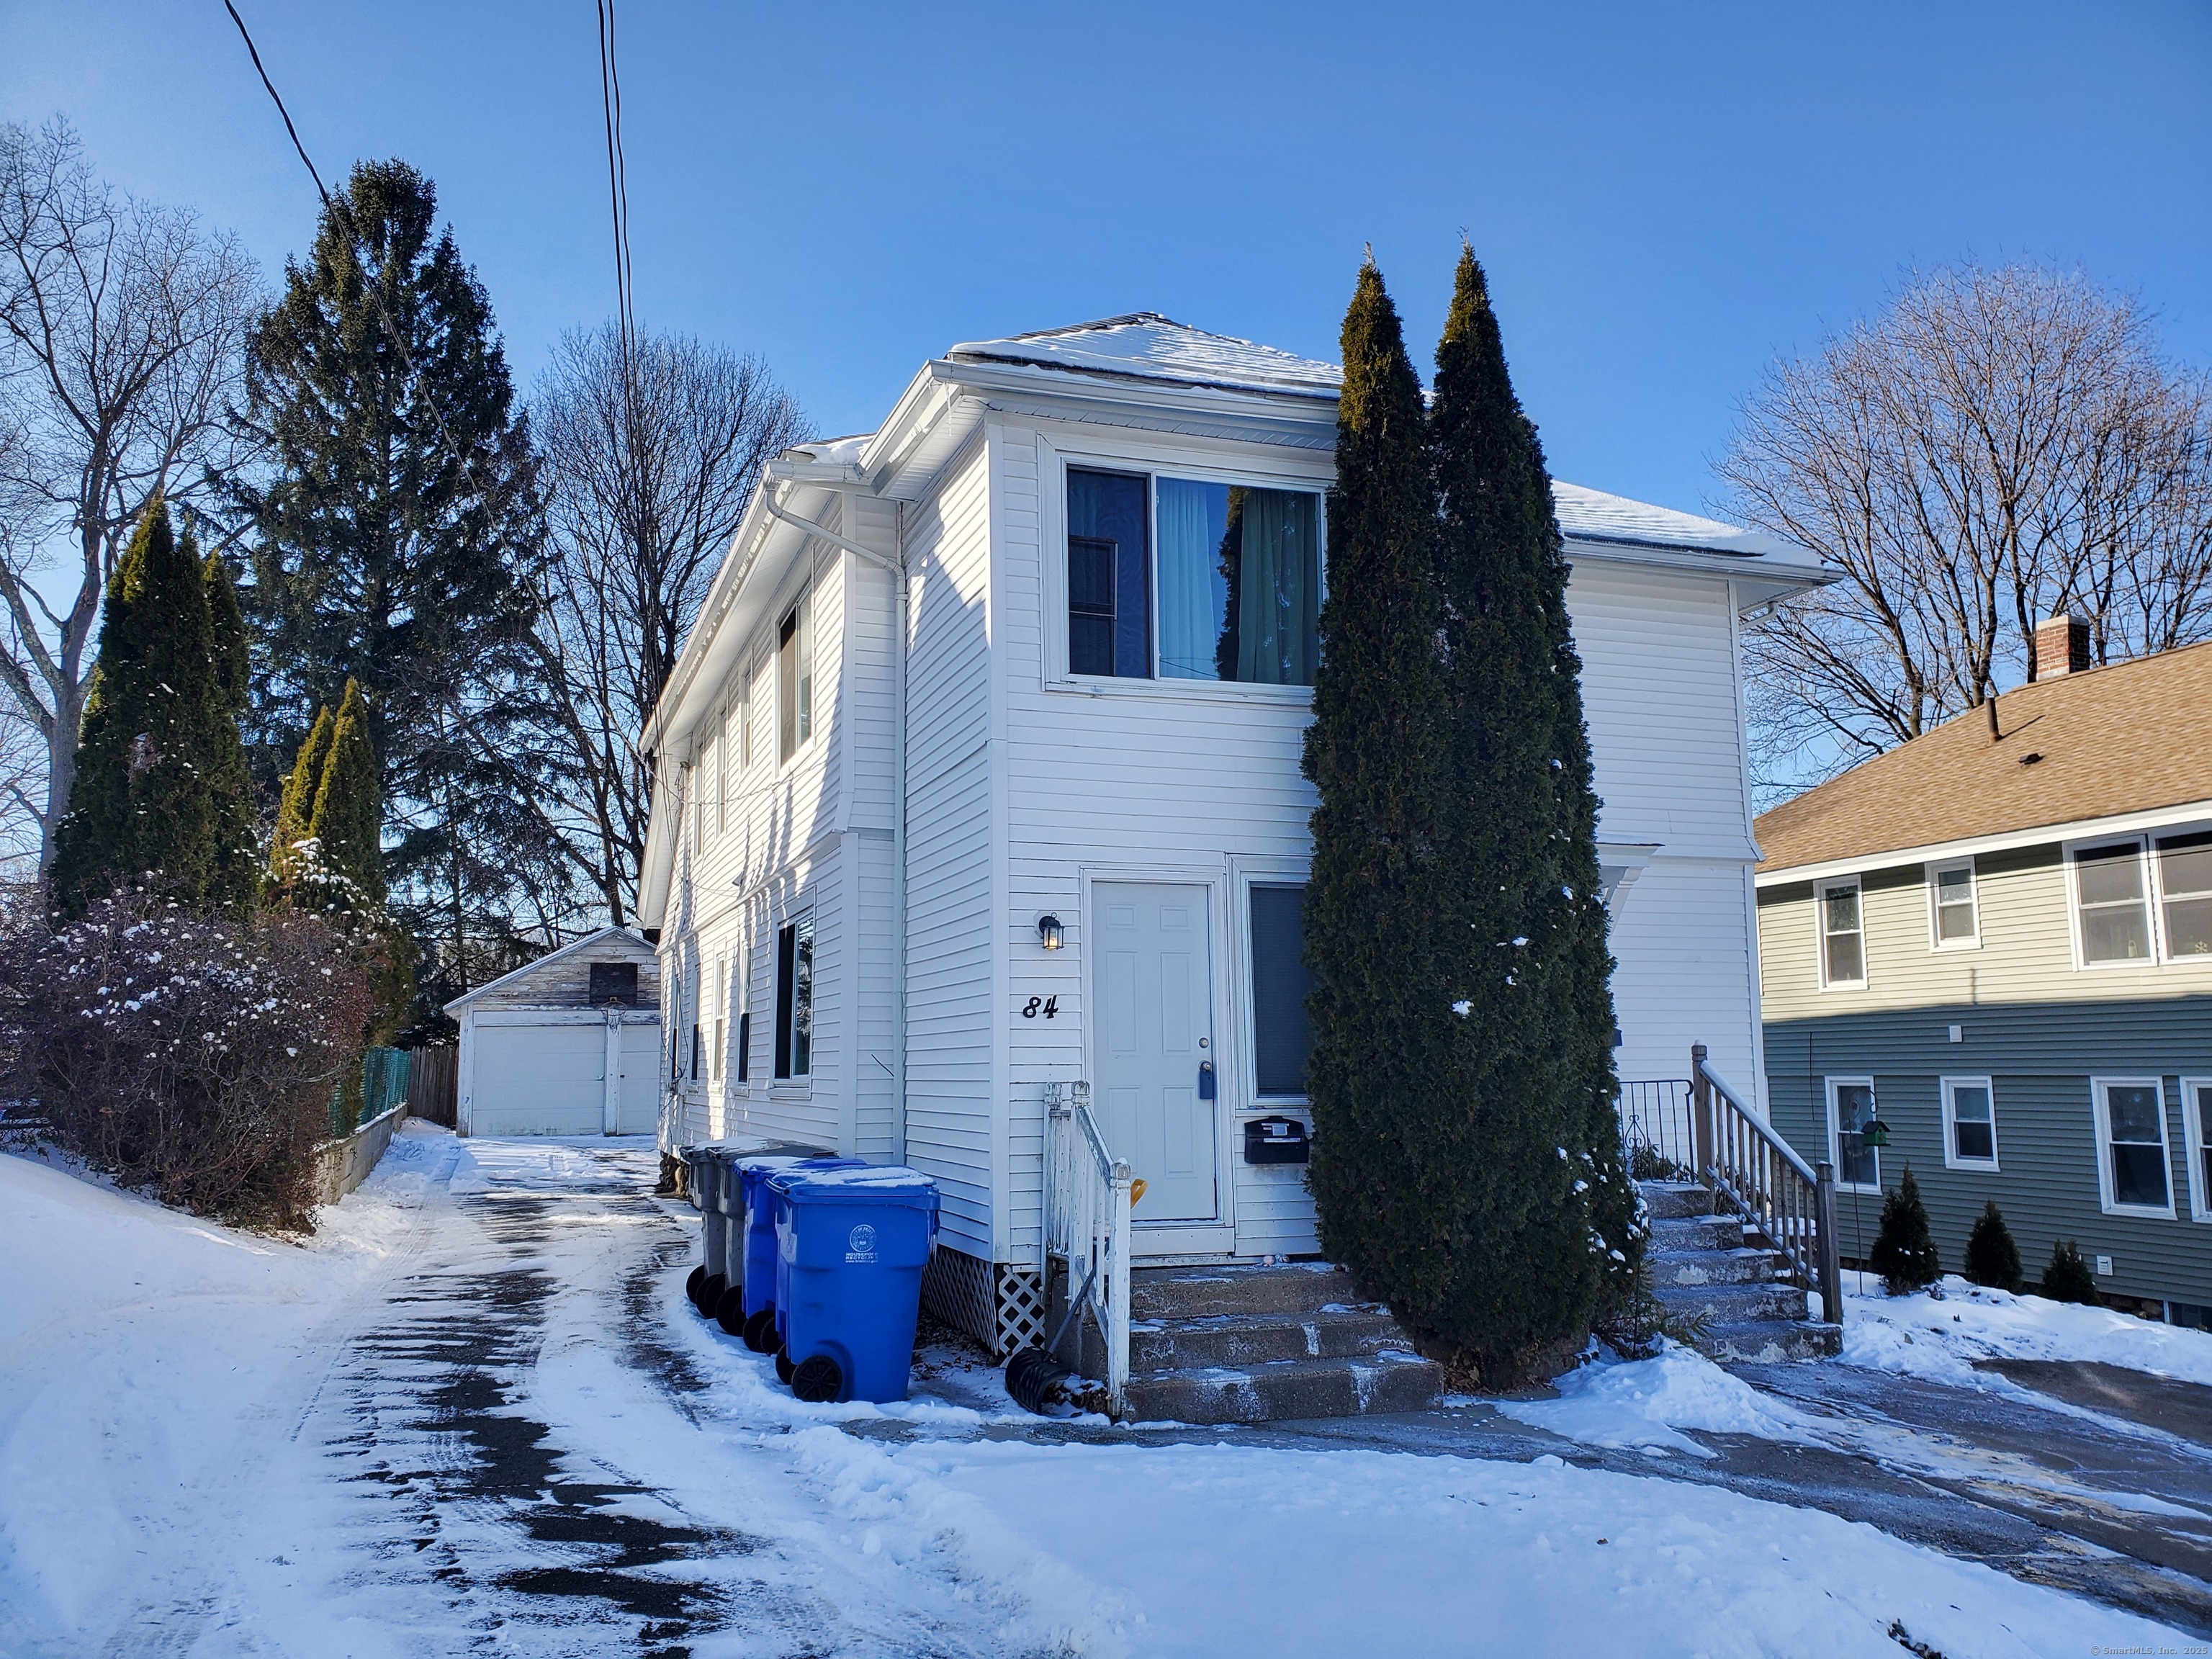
(692, 1284)
(816, 1380)
(760, 1330)
(710, 1294)
(730, 1311)
(784, 1369)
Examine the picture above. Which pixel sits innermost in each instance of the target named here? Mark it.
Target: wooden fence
(434, 1085)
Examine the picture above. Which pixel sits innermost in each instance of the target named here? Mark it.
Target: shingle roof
(1151, 347)
(2131, 737)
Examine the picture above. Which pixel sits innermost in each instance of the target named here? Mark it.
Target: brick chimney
(2061, 646)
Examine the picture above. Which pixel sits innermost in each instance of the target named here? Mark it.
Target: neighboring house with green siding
(2002, 942)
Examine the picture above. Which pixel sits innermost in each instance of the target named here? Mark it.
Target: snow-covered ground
(1925, 1337)
(477, 1412)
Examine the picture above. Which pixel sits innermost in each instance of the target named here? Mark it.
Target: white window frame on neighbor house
(2072, 851)
(1953, 1159)
(1829, 1086)
(1155, 460)
(1936, 871)
(1820, 934)
(2101, 1114)
(2162, 933)
(2195, 1108)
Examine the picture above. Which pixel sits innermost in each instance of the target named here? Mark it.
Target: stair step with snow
(1291, 1287)
(1235, 1340)
(1386, 1382)
(1735, 1290)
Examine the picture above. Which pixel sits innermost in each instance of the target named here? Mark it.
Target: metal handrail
(1087, 1225)
(1792, 1202)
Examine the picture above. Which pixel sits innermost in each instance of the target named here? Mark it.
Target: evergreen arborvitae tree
(399, 544)
(348, 822)
(2067, 1277)
(295, 808)
(1903, 1251)
(160, 745)
(1992, 1258)
(1393, 1135)
(235, 852)
(1521, 919)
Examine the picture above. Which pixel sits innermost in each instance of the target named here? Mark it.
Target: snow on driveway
(477, 1414)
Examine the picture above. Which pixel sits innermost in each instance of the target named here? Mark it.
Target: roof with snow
(1148, 346)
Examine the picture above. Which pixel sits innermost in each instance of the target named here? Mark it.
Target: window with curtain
(1240, 583)
(1280, 980)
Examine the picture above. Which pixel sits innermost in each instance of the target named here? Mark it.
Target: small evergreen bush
(1992, 1259)
(2068, 1277)
(1904, 1251)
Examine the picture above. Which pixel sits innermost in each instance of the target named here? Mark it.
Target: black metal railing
(1656, 1136)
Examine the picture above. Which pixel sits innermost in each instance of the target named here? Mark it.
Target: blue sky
(1666, 196)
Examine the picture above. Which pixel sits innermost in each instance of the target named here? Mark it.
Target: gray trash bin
(718, 1194)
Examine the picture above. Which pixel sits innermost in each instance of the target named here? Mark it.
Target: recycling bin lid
(870, 1183)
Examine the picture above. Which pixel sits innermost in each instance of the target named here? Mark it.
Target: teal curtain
(1192, 517)
(1278, 622)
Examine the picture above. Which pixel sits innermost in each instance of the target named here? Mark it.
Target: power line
(617, 178)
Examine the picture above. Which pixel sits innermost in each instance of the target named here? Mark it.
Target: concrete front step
(1169, 1293)
(1231, 1340)
(1748, 1265)
(1768, 1341)
(1704, 1232)
(1733, 1304)
(1393, 1381)
(1671, 1200)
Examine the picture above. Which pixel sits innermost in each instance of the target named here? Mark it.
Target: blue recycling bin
(850, 1247)
(754, 1255)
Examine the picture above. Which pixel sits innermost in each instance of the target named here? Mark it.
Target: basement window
(2131, 1167)
(1970, 1123)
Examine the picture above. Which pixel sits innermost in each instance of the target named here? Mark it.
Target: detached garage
(569, 1045)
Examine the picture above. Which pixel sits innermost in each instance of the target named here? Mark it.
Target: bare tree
(122, 329)
(1997, 446)
(651, 456)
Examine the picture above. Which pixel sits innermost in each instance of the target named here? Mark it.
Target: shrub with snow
(190, 1054)
(1904, 1252)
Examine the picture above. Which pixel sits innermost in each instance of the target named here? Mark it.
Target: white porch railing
(1775, 1190)
(1086, 1210)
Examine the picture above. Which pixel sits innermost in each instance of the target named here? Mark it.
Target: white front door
(1153, 1051)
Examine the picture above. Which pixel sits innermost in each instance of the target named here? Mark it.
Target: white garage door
(540, 1080)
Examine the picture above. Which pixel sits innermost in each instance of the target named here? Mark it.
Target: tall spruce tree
(348, 821)
(400, 545)
(160, 745)
(1545, 1203)
(295, 807)
(1393, 1133)
(233, 782)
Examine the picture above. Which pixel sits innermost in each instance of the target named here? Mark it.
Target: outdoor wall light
(1050, 933)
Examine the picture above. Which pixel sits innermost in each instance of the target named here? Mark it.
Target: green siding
(2039, 1057)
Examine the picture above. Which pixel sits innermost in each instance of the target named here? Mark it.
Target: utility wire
(617, 178)
(341, 214)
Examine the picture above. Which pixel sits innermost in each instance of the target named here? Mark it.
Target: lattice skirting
(1001, 1306)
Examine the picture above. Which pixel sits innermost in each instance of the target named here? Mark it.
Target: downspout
(897, 568)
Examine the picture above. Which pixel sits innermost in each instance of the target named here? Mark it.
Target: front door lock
(1205, 1079)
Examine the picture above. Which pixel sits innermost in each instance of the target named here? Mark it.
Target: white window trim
(801, 603)
(1951, 1159)
(2067, 852)
(1153, 460)
(1829, 1086)
(2102, 1117)
(2156, 888)
(1935, 939)
(2193, 1140)
(1821, 892)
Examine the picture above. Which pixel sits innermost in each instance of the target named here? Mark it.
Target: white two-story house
(980, 774)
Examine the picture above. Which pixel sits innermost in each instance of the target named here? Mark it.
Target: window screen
(2185, 880)
(1280, 1036)
(2115, 926)
(1955, 905)
(1843, 942)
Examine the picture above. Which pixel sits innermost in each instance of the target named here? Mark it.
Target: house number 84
(1048, 1006)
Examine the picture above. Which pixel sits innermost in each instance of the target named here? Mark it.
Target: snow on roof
(1593, 515)
(838, 451)
(1149, 346)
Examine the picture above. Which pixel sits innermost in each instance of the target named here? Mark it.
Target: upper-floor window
(795, 678)
(2108, 894)
(1234, 594)
(2185, 887)
(1842, 936)
(1951, 896)
(745, 714)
